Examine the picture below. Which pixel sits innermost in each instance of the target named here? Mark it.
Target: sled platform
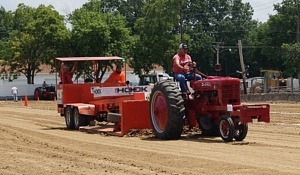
(106, 129)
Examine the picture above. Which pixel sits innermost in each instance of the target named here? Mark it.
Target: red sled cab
(118, 107)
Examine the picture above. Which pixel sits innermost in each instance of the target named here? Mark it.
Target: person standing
(66, 75)
(14, 92)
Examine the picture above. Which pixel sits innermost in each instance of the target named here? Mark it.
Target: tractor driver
(66, 75)
(182, 63)
(116, 76)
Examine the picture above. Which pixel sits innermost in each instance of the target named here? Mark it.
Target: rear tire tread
(69, 117)
(175, 106)
(79, 120)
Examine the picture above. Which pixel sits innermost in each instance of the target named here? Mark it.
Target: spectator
(66, 75)
(14, 92)
(116, 76)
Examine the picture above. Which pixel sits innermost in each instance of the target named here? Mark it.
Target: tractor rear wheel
(226, 127)
(207, 126)
(166, 110)
(69, 117)
(79, 120)
(241, 131)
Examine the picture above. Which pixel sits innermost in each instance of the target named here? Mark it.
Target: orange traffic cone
(54, 99)
(26, 100)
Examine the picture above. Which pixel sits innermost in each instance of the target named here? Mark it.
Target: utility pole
(242, 65)
(181, 21)
(298, 21)
(218, 65)
(298, 36)
(218, 53)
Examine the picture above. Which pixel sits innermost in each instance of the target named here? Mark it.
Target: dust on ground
(34, 140)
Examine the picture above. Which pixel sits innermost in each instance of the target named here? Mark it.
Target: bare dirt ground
(34, 140)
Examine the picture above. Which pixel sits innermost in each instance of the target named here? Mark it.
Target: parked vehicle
(152, 78)
(45, 93)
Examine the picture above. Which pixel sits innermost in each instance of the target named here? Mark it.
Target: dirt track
(34, 141)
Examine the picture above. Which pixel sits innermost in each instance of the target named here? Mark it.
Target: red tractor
(215, 106)
(45, 93)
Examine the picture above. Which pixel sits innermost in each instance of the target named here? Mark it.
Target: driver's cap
(183, 46)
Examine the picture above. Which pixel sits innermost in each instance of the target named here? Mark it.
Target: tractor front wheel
(241, 131)
(69, 117)
(226, 127)
(166, 110)
(207, 126)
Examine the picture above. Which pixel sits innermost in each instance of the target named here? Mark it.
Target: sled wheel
(226, 128)
(166, 110)
(241, 131)
(36, 94)
(69, 117)
(207, 126)
(79, 120)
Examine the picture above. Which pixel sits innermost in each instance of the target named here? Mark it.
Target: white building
(24, 88)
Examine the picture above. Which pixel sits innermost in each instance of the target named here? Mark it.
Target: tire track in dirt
(72, 159)
(76, 153)
(49, 149)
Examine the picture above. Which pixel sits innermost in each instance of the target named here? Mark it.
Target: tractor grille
(231, 94)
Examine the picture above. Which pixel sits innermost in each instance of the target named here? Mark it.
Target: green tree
(279, 29)
(35, 39)
(284, 27)
(95, 33)
(256, 59)
(203, 23)
(292, 58)
(6, 23)
(211, 21)
(158, 36)
(130, 9)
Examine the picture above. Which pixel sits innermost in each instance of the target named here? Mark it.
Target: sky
(262, 8)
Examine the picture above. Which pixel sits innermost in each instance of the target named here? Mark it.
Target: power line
(247, 47)
(262, 9)
(265, 4)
